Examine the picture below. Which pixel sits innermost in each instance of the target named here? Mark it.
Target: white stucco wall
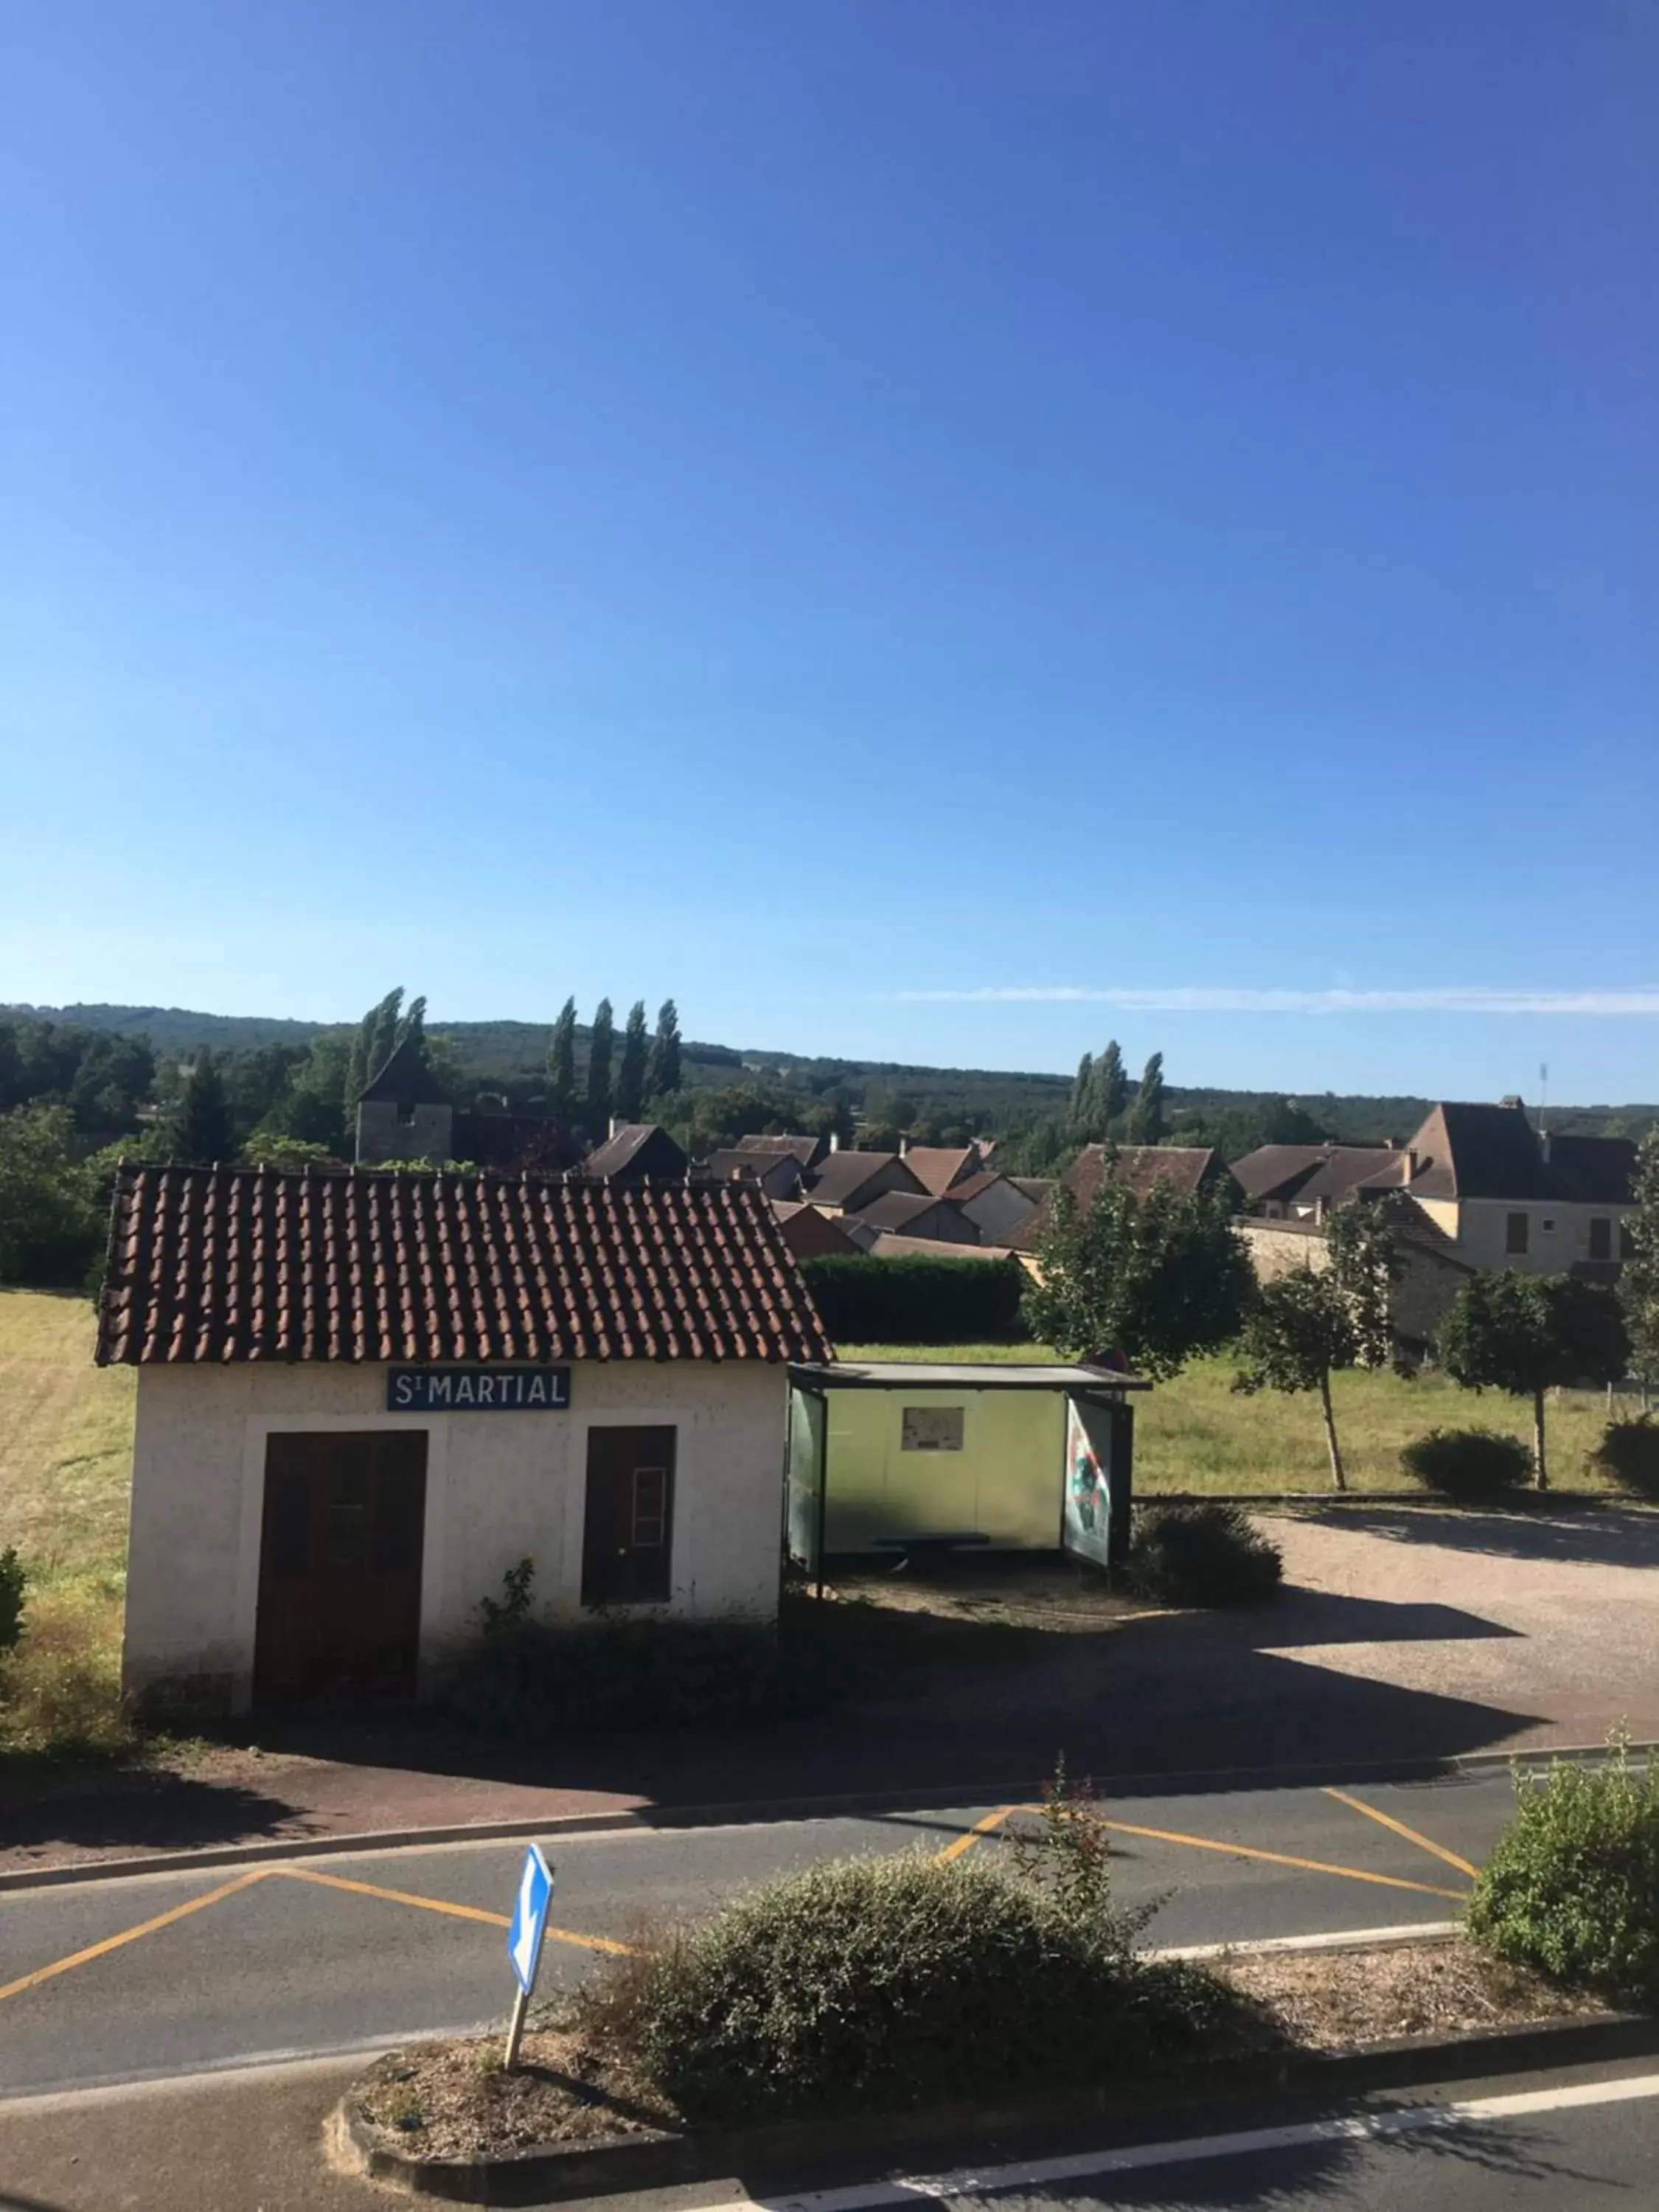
(499, 1484)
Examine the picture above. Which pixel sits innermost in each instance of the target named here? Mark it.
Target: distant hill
(512, 1055)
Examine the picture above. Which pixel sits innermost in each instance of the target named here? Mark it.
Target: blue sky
(938, 531)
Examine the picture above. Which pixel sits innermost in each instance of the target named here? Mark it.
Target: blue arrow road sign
(524, 1940)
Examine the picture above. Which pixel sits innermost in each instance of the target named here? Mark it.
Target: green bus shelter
(1010, 1458)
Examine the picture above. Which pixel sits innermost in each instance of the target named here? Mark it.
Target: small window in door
(1600, 1237)
(628, 1535)
(931, 1428)
(1515, 1232)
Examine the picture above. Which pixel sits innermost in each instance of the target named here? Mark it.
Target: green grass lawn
(1196, 1434)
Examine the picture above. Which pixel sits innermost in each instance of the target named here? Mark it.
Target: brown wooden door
(340, 1566)
(627, 1536)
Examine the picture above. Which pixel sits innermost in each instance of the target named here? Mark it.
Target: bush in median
(1202, 1555)
(1468, 1463)
(1629, 1452)
(1572, 1886)
(881, 1984)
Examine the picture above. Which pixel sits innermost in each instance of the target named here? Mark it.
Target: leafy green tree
(204, 1129)
(1525, 1335)
(1305, 1325)
(264, 1149)
(1147, 1118)
(412, 1029)
(1638, 1281)
(1296, 1331)
(320, 1105)
(663, 1077)
(562, 1065)
(1158, 1279)
(599, 1071)
(1111, 1090)
(50, 1224)
(636, 1060)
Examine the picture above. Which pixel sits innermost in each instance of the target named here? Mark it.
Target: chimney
(614, 1124)
(904, 1144)
(1544, 1144)
(835, 1140)
(1410, 1164)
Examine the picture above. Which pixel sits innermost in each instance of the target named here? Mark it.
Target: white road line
(1365, 2127)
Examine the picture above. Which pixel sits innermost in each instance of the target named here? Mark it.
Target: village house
(811, 1235)
(1499, 1193)
(403, 1115)
(637, 1151)
(779, 1174)
(361, 1396)
(1138, 1167)
(997, 1203)
(919, 1214)
(848, 1182)
(941, 1168)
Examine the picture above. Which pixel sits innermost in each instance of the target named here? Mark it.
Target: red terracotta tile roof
(228, 1264)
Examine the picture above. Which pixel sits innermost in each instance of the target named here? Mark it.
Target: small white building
(363, 1395)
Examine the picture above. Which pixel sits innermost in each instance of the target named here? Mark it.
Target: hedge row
(864, 1300)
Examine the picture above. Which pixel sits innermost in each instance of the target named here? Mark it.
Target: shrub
(1629, 1451)
(12, 1581)
(1202, 1555)
(878, 1983)
(63, 1682)
(1469, 1462)
(1572, 1886)
(916, 1300)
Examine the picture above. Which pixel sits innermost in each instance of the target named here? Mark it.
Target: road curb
(773, 2157)
(755, 1811)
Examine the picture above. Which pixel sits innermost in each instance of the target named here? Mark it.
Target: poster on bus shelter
(1085, 1526)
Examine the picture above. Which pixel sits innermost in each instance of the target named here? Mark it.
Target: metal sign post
(524, 1940)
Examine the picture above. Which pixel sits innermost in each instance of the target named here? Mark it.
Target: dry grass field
(65, 1448)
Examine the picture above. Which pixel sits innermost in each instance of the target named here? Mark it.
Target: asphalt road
(1549, 2144)
(315, 1956)
(1575, 2141)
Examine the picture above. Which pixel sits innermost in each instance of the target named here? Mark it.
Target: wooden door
(627, 1536)
(340, 1566)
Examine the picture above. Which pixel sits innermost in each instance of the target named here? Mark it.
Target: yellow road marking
(966, 1841)
(1387, 1821)
(131, 1935)
(444, 1904)
(1278, 1858)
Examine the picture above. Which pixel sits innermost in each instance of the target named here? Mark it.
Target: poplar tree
(1083, 1097)
(1111, 1090)
(636, 1060)
(381, 1034)
(413, 1029)
(663, 1075)
(599, 1072)
(1146, 1116)
(562, 1065)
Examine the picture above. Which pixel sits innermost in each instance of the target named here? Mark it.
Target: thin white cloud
(1204, 999)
